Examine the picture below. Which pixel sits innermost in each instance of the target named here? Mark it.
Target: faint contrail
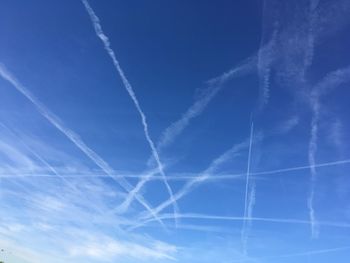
(214, 86)
(248, 200)
(71, 135)
(105, 40)
(265, 60)
(199, 179)
(331, 81)
(181, 177)
(310, 253)
(312, 162)
(301, 254)
(241, 218)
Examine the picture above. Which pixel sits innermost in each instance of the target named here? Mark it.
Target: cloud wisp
(105, 40)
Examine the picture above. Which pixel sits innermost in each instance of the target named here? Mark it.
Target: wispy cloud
(105, 40)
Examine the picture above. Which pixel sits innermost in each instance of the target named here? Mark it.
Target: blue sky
(177, 131)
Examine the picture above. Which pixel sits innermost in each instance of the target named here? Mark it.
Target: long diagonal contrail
(71, 135)
(105, 40)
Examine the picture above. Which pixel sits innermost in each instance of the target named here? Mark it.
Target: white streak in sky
(312, 162)
(265, 60)
(180, 176)
(331, 81)
(215, 85)
(71, 135)
(241, 218)
(249, 199)
(311, 253)
(105, 40)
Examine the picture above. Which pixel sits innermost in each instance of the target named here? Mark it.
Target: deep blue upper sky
(154, 131)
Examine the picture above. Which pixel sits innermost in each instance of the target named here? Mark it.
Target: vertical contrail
(331, 80)
(266, 57)
(71, 135)
(312, 162)
(105, 40)
(249, 199)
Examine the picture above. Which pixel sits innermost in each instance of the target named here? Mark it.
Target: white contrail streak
(105, 40)
(264, 63)
(248, 200)
(311, 253)
(71, 135)
(199, 179)
(302, 254)
(331, 81)
(215, 85)
(241, 218)
(312, 162)
(180, 176)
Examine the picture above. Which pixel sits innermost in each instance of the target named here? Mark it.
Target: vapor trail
(312, 252)
(311, 155)
(71, 135)
(301, 254)
(105, 40)
(248, 201)
(187, 176)
(331, 81)
(214, 86)
(241, 218)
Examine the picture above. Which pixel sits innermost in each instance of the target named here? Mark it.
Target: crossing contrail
(105, 40)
